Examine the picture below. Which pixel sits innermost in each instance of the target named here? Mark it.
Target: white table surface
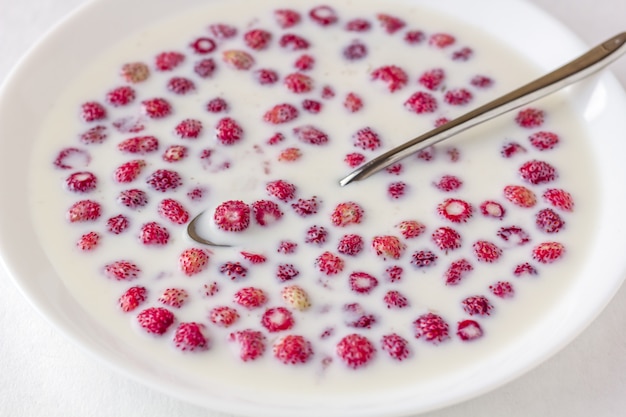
(44, 374)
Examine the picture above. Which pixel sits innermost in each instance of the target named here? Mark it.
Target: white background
(44, 374)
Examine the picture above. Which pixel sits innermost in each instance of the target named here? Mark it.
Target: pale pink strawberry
(346, 214)
(222, 31)
(448, 183)
(190, 337)
(92, 111)
(421, 102)
(366, 139)
(117, 224)
(548, 252)
(446, 239)
(167, 61)
(537, 172)
(290, 155)
(234, 270)
(414, 37)
(502, 289)
(175, 153)
(133, 198)
(257, 39)
(355, 350)
(394, 76)
(122, 270)
(548, 221)
(135, 72)
(293, 349)
(362, 282)
(395, 299)
(132, 298)
(329, 263)
(88, 242)
(411, 229)
(457, 271)
(72, 158)
(316, 235)
(354, 159)
(441, 40)
(520, 196)
(311, 135)
(282, 190)
(193, 261)
(228, 131)
(486, 251)
(94, 135)
(492, 209)
(250, 297)
(287, 247)
(277, 319)
(239, 60)
(251, 344)
(469, 330)
(431, 327)
(129, 171)
(173, 297)
(139, 145)
(84, 211)
(530, 118)
(358, 25)
(295, 297)
(205, 68)
(188, 129)
(286, 272)
(120, 96)
(423, 259)
(350, 245)
(281, 113)
(155, 320)
(203, 45)
(455, 210)
(432, 78)
(353, 103)
(396, 346)
(477, 305)
(81, 182)
(388, 247)
(559, 198)
(391, 24)
(232, 216)
(223, 316)
(306, 207)
(286, 18)
(156, 108)
(543, 140)
(266, 212)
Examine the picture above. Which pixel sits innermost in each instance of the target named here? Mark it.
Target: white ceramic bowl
(29, 92)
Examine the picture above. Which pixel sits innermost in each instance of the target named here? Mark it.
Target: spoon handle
(583, 66)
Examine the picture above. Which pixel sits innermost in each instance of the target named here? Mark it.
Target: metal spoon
(585, 65)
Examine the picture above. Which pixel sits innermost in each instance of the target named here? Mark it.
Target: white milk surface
(483, 170)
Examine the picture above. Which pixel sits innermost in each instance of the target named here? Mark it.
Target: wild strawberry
(431, 327)
(457, 271)
(132, 298)
(193, 261)
(423, 259)
(502, 289)
(129, 171)
(441, 40)
(312, 106)
(281, 113)
(493, 209)
(133, 198)
(209, 289)
(153, 233)
(293, 349)
(253, 258)
(239, 60)
(156, 108)
(544, 140)
(286, 18)
(414, 37)
(196, 194)
(397, 189)
(396, 346)
(251, 344)
(228, 131)
(223, 316)
(355, 350)
(354, 159)
(117, 224)
(84, 211)
(266, 212)
(295, 297)
(357, 317)
(135, 72)
(167, 61)
(329, 263)
(388, 247)
(311, 135)
(421, 102)
(139, 145)
(323, 15)
(155, 320)
(94, 135)
(286, 272)
(481, 81)
(173, 297)
(120, 96)
(234, 270)
(189, 336)
(366, 139)
(188, 129)
(477, 305)
(391, 24)
(175, 153)
(356, 50)
(394, 273)
(346, 213)
(203, 45)
(282, 190)
(88, 241)
(486, 251)
(71, 158)
(362, 282)
(350, 245)
(290, 155)
(457, 96)
(394, 299)
(232, 216)
(394, 76)
(277, 319)
(306, 207)
(316, 235)
(455, 210)
(92, 111)
(432, 78)
(448, 183)
(164, 180)
(358, 25)
(287, 247)
(129, 124)
(411, 229)
(81, 182)
(514, 234)
(353, 103)
(446, 239)
(559, 199)
(537, 172)
(293, 42)
(520, 196)
(304, 62)
(469, 330)
(181, 85)
(427, 154)
(530, 118)
(462, 54)
(205, 68)
(511, 149)
(122, 270)
(548, 221)
(257, 39)
(328, 92)
(548, 252)
(222, 30)
(250, 297)
(265, 76)
(395, 169)
(217, 105)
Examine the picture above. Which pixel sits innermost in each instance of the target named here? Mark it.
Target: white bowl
(28, 94)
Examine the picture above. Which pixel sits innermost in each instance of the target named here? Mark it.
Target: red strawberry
(277, 319)
(469, 330)
(286, 18)
(293, 42)
(323, 15)
(481, 81)
(520, 196)
(88, 241)
(441, 40)
(388, 247)
(524, 269)
(153, 233)
(266, 212)
(457, 96)
(232, 216)
(203, 45)
(133, 198)
(155, 320)
(135, 72)
(175, 153)
(462, 54)
(84, 211)
(251, 344)
(397, 189)
(493, 209)
(544, 140)
(394, 76)
(414, 37)
(120, 96)
(312, 106)
(250, 297)
(196, 194)
(293, 349)
(394, 273)
(328, 92)
(358, 25)
(193, 261)
(316, 235)
(511, 149)
(356, 50)
(477, 305)
(311, 135)
(486, 251)
(223, 316)
(514, 234)
(362, 282)
(92, 111)
(205, 68)
(217, 105)
(421, 102)
(355, 350)
(287, 247)
(222, 31)
(530, 118)
(228, 131)
(286, 272)
(395, 169)
(391, 24)
(139, 145)
(122, 270)
(257, 39)
(132, 298)
(94, 135)
(548, 221)
(239, 60)
(156, 108)
(234, 270)
(448, 183)
(70, 158)
(537, 172)
(265, 76)
(81, 182)
(350, 245)
(353, 103)
(117, 224)
(548, 252)
(396, 346)
(167, 61)
(432, 328)
(304, 62)
(354, 159)
(329, 263)
(432, 79)
(559, 198)
(174, 297)
(188, 129)
(346, 213)
(394, 299)
(502, 289)
(366, 139)
(181, 85)
(281, 113)
(164, 180)
(254, 258)
(282, 190)
(457, 271)
(129, 171)
(455, 210)
(189, 336)
(423, 259)
(446, 239)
